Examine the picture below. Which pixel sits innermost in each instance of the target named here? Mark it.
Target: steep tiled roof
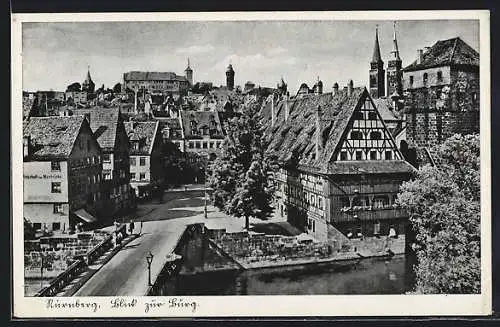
(202, 119)
(152, 76)
(52, 137)
(294, 140)
(173, 124)
(385, 109)
(145, 132)
(104, 123)
(448, 52)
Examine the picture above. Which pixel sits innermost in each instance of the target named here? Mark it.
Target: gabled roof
(145, 132)
(447, 52)
(201, 118)
(294, 140)
(152, 76)
(52, 137)
(104, 124)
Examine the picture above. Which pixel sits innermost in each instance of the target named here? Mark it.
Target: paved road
(126, 274)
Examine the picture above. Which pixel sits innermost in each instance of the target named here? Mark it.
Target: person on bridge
(131, 227)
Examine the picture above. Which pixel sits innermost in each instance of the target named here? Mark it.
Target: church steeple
(189, 73)
(88, 85)
(377, 73)
(394, 70)
(376, 49)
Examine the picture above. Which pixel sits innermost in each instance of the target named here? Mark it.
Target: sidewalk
(90, 270)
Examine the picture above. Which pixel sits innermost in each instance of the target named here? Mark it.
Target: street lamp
(205, 197)
(41, 270)
(149, 259)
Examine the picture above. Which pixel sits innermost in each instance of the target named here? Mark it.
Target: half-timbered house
(340, 166)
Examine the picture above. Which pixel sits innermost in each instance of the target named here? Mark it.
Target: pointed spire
(88, 78)
(376, 50)
(188, 63)
(395, 50)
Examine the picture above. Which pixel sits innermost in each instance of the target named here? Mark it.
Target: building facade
(156, 82)
(441, 93)
(340, 166)
(202, 132)
(62, 173)
(146, 161)
(109, 130)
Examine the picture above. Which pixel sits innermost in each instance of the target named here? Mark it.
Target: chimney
(350, 88)
(336, 88)
(287, 113)
(318, 131)
(420, 55)
(26, 146)
(272, 110)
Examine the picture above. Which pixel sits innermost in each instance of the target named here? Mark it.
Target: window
(211, 145)
(343, 155)
(388, 155)
(198, 145)
(142, 176)
(359, 155)
(411, 80)
(133, 161)
(320, 202)
(376, 228)
(375, 135)
(425, 79)
(314, 225)
(440, 76)
(106, 158)
(204, 145)
(474, 98)
(372, 115)
(373, 155)
(55, 166)
(191, 145)
(313, 200)
(58, 208)
(107, 176)
(142, 161)
(56, 187)
(37, 226)
(88, 160)
(56, 226)
(132, 175)
(358, 115)
(356, 135)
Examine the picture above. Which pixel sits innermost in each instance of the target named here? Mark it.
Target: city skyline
(58, 54)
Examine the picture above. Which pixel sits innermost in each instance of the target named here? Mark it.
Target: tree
(443, 203)
(117, 88)
(239, 176)
(74, 87)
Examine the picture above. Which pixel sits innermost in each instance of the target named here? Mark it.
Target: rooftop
(152, 76)
(143, 132)
(447, 52)
(52, 137)
(104, 123)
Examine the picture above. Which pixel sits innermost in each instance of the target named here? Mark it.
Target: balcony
(368, 214)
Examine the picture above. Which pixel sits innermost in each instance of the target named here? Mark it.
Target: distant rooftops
(152, 76)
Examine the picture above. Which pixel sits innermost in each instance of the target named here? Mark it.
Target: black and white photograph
(163, 162)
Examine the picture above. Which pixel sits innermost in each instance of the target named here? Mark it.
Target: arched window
(440, 76)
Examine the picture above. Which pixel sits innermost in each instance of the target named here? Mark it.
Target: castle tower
(88, 85)
(189, 74)
(394, 70)
(377, 73)
(230, 77)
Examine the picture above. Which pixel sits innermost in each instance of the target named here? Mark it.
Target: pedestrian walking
(131, 227)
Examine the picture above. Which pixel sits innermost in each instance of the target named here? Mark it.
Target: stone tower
(377, 73)
(230, 77)
(88, 85)
(394, 70)
(189, 74)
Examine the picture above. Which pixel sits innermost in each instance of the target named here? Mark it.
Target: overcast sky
(57, 54)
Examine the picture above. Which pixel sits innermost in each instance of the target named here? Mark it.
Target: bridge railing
(67, 276)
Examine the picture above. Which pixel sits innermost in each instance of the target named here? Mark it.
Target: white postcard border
(211, 306)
